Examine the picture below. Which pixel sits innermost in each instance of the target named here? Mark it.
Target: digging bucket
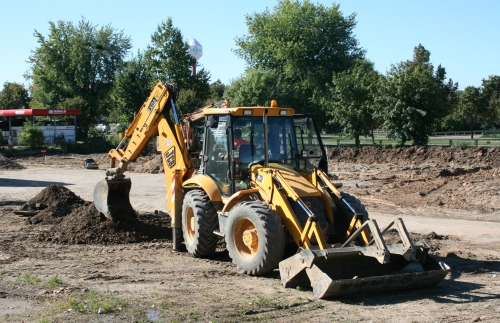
(111, 198)
(377, 267)
(347, 271)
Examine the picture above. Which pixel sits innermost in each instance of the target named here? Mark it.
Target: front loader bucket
(111, 198)
(347, 271)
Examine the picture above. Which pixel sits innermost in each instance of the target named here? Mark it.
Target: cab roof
(255, 111)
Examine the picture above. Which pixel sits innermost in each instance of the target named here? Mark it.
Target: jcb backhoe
(259, 177)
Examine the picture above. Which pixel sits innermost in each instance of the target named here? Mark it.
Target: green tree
(14, 96)
(131, 87)
(303, 43)
(471, 108)
(217, 90)
(74, 66)
(32, 136)
(168, 55)
(257, 87)
(491, 95)
(352, 100)
(168, 58)
(196, 94)
(413, 97)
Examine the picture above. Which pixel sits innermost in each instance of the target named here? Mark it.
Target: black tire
(344, 214)
(267, 243)
(356, 205)
(199, 220)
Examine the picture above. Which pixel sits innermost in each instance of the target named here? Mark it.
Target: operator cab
(236, 141)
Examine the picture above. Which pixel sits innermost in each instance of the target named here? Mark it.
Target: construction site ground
(68, 264)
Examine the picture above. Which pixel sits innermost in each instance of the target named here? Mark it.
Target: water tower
(195, 50)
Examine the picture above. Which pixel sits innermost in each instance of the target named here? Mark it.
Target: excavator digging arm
(144, 126)
(111, 195)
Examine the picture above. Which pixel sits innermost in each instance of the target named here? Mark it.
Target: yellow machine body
(260, 205)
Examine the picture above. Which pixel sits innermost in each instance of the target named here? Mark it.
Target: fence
(487, 142)
(381, 132)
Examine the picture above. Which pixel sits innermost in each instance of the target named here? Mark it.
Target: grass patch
(164, 304)
(27, 279)
(91, 302)
(265, 302)
(54, 282)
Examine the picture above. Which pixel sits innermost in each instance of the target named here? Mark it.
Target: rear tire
(255, 238)
(199, 220)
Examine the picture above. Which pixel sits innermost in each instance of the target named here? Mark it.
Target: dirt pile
(86, 225)
(76, 221)
(151, 164)
(7, 164)
(455, 155)
(55, 202)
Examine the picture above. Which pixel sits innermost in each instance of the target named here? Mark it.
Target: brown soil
(456, 155)
(78, 222)
(446, 180)
(151, 164)
(56, 202)
(86, 225)
(7, 164)
(128, 269)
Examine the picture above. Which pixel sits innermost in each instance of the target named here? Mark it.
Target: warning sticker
(170, 157)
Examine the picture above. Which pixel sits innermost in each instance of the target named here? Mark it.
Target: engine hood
(300, 185)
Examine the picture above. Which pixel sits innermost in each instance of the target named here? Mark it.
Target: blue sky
(462, 36)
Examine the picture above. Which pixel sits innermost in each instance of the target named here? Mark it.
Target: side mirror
(212, 122)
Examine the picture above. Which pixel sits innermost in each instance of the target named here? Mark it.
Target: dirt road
(148, 195)
(45, 281)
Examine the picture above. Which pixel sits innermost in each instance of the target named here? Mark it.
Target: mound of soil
(7, 164)
(77, 221)
(86, 225)
(152, 164)
(470, 157)
(55, 202)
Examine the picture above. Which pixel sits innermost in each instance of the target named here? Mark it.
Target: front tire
(199, 220)
(345, 214)
(255, 238)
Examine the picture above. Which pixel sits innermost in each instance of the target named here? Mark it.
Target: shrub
(120, 127)
(31, 136)
(60, 140)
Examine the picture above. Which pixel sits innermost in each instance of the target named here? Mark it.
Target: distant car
(103, 127)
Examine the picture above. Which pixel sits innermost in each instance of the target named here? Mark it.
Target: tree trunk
(356, 140)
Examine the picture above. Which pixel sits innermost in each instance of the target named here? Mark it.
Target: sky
(462, 36)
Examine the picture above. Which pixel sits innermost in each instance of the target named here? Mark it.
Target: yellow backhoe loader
(258, 176)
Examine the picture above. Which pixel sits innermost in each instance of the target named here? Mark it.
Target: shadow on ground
(13, 182)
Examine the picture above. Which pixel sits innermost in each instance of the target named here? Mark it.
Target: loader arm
(276, 191)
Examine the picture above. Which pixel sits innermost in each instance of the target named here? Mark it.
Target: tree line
(302, 54)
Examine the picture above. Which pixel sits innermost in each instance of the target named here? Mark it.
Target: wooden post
(44, 156)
